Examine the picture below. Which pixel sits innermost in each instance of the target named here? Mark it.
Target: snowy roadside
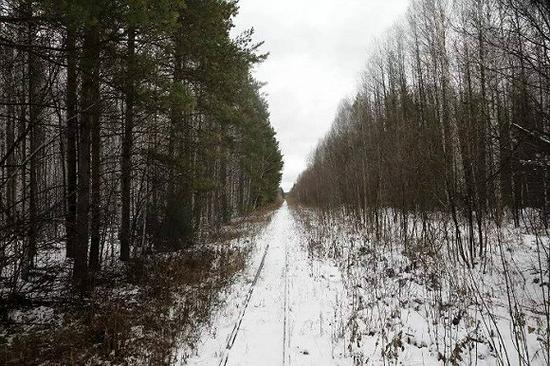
(137, 315)
(416, 306)
(216, 333)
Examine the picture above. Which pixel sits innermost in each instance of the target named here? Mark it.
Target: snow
(320, 291)
(290, 316)
(38, 315)
(310, 289)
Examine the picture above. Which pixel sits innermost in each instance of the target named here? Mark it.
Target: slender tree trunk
(95, 224)
(95, 119)
(181, 195)
(11, 185)
(225, 204)
(71, 136)
(90, 73)
(126, 162)
(33, 85)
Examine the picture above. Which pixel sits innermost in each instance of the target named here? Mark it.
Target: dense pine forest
(131, 121)
(127, 128)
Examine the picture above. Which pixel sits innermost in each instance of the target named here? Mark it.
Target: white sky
(317, 52)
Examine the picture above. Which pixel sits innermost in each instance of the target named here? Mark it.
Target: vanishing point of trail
(287, 313)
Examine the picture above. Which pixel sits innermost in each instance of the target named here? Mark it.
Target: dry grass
(138, 314)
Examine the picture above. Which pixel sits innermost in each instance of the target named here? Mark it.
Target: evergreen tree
(136, 117)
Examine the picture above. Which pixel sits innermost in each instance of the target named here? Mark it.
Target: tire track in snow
(233, 336)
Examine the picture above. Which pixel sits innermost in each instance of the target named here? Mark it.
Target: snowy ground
(320, 291)
(139, 313)
(415, 304)
(285, 310)
(301, 288)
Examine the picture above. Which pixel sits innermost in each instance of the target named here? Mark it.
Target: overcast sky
(317, 51)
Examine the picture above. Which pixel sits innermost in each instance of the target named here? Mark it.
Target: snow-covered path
(284, 311)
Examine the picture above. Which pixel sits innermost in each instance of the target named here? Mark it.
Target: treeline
(452, 116)
(127, 127)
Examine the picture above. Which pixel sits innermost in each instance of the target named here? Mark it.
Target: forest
(128, 129)
(452, 116)
(142, 219)
(134, 121)
(439, 168)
